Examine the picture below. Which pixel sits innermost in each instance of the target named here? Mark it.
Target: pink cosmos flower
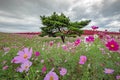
(25, 66)
(44, 69)
(112, 45)
(118, 77)
(5, 67)
(65, 47)
(51, 43)
(94, 27)
(58, 44)
(101, 35)
(6, 49)
(22, 56)
(63, 71)
(83, 59)
(108, 37)
(51, 76)
(77, 42)
(37, 53)
(108, 71)
(42, 61)
(89, 39)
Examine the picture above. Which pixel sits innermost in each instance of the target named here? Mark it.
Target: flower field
(28, 57)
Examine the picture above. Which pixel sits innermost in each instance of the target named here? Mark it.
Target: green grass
(54, 57)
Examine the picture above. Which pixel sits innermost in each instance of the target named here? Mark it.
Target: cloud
(23, 15)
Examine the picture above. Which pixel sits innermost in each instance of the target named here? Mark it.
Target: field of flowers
(27, 57)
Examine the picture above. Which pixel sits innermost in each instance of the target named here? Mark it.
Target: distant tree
(60, 25)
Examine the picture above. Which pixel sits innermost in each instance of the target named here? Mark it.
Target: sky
(24, 15)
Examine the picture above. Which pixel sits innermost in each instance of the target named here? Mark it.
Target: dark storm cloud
(17, 12)
(110, 8)
(18, 15)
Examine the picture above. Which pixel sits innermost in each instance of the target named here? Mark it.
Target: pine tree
(60, 25)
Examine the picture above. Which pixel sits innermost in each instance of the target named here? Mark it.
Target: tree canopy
(60, 25)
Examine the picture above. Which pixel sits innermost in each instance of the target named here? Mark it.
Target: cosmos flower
(65, 47)
(22, 56)
(112, 45)
(83, 59)
(89, 39)
(94, 27)
(44, 69)
(108, 71)
(6, 49)
(25, 66)
(77, 42)
(118, 77)
(5, 68)
(51, 43)
(108, 37)
(51, 76)
(63, 71)
(37, 53)
(26, 53)
(42, 61)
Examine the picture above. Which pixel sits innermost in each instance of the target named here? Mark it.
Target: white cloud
(114, 24)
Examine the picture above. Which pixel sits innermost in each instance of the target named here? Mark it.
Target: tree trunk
(63, 39)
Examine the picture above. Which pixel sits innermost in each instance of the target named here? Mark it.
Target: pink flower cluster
(89, 38)
(23, 58)
(71, 46)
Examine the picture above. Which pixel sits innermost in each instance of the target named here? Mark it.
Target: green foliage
(60, 25)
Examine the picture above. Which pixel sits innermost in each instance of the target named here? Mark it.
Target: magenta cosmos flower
(44, 69)
(83, 59)
(51, 76)
(77, 42)
(94, 27)
(63, 71)
(51, 43)
(65, 47)
(89, 39)
(108, 71)
(23, 56)
(112, 45)
(37, 53)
